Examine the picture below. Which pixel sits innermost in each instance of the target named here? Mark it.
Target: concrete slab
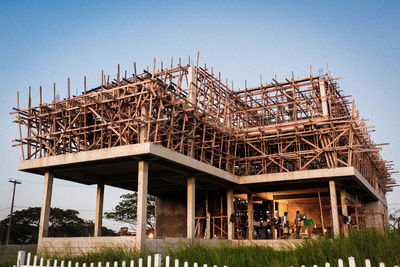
(168, 170)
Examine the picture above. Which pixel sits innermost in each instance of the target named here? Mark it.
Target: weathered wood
(277, 127)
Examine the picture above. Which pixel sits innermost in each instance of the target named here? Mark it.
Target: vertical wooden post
(334, 208)
(191, 207)
(229, 209)
(98, 223)
(84, 84)
(46, 203)
(69, 88)
(321, 212)
(274, 233)
(208, 220)
(250, 216)
(143, 175)
(154, 68)
(344, 207)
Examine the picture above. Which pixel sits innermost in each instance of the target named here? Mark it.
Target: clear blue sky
(47, 41)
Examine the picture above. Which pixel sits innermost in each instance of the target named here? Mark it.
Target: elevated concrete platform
(169, 170)
(117, 166)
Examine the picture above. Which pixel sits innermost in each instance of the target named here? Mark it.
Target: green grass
(374, 245)
(6, 263)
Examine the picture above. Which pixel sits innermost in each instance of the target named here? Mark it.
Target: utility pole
(15, 182)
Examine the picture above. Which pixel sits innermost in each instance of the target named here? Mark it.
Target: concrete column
(250, 215)
(192, 88)
(344, 207)
(229, 209)
(98, 221)
(324, 100)
(334, 208)
(46, 202)
(191, 207)
(141, 223)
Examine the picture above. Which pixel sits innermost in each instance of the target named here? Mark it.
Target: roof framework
(294, 125)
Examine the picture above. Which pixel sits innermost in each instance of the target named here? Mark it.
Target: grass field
(376, 246)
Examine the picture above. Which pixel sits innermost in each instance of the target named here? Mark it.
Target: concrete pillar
(141, 223)
(191, 207)
(250, 215)
(324, 100)
(98, 221)
(46, 202)
(229, 209)
(334, 208)
(344, 207)
(192, 88)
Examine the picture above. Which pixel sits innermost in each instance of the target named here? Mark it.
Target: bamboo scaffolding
(297, 124)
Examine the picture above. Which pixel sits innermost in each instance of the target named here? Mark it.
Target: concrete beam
(191, 207)
(46, 203)
(202, 167)
(250, 216)
(98, 221)
(368, 186)
(137, 150)
(314, 174)
(141, 222)
(297, 175)
(229, 209)
(334, 208)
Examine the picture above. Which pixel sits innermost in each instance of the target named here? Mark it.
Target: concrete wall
(74, 246)
(79, 245)
(171, 215)
(376, 215)
(171, 211)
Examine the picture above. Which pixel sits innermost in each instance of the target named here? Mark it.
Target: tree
(394, 220)
(126, 210)
(62, 223)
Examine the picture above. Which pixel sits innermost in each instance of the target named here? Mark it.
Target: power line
(62, 185)
(15, 182)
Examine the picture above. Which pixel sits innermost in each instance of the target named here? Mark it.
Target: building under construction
(282, 160)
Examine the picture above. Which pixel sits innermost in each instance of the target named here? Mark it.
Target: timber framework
(250, 142)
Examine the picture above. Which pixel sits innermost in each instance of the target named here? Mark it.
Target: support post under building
(334, 208)
(250, 215)
(344, 207)
(143, 176)
(98, 222)
(229, 212)
(46, 203)
(191, 204)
